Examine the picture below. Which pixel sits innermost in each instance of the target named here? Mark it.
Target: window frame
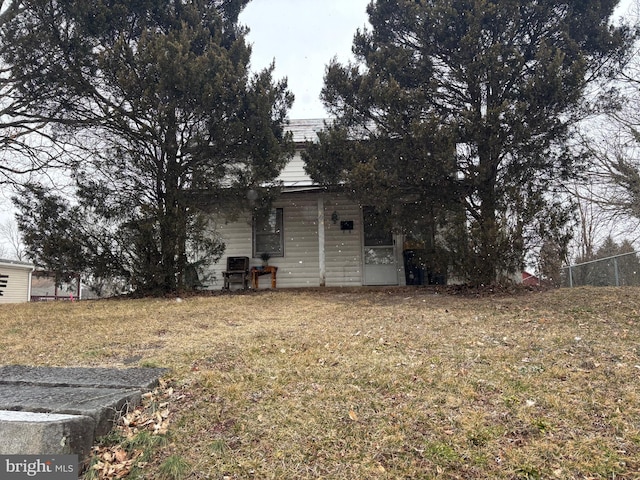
(279, 227)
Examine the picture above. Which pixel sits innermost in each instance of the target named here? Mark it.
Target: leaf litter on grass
(375, 383)
(134, 436)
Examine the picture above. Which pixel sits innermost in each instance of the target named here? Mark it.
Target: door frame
(383, 274)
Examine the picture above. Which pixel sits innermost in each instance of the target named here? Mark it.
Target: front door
(379, 253)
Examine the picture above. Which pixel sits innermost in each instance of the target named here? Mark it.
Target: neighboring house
(315, 236)
(530, 279)
(15, 281)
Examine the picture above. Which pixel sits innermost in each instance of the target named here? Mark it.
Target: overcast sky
(302, 36)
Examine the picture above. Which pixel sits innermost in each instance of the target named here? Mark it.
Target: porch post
(321, 254)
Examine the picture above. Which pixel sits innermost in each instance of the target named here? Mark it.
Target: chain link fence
(619, 270)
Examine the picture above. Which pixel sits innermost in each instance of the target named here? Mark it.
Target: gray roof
(16, 263)
(306, 130)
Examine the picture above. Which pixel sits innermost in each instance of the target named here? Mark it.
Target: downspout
(29, 284)
(321, 240)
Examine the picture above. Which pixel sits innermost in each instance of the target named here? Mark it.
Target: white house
(315, 236)
(15, 281)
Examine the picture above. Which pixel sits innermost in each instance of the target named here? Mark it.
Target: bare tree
(12, 239)
(28, 142)
(612, 140)
(608, 194)
(594, 222)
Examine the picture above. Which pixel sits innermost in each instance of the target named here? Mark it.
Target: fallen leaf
(120, 455)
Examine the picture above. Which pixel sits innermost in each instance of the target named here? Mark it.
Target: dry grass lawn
(369, 383)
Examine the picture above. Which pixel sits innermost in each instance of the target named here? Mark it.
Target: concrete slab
(102, 404)
(141, 378)
(28, 433)
(56, 410)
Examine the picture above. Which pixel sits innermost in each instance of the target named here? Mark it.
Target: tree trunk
(171, 221)
(487, 262)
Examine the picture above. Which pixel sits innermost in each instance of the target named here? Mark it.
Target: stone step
(28, 433)
(140, 378)
(57, 410)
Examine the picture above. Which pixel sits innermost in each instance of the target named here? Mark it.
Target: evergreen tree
(463, 106)
(628, 264)
(618, 266)
(158, 97)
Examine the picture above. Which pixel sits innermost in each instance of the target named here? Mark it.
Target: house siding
(237, 237)
(343, 248)
(300, 265)
(303, 216)
(294, 175)
(18, 287)
(317, 251)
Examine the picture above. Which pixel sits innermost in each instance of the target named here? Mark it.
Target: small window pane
(377, 231)
(268, 235)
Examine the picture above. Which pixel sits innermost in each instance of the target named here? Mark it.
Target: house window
(268, 234)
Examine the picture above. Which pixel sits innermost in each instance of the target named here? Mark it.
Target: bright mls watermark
(46, 467)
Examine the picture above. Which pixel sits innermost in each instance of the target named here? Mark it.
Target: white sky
(302, 36)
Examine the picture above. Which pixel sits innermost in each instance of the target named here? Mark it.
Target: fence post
(570, 278)
(615, 270)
